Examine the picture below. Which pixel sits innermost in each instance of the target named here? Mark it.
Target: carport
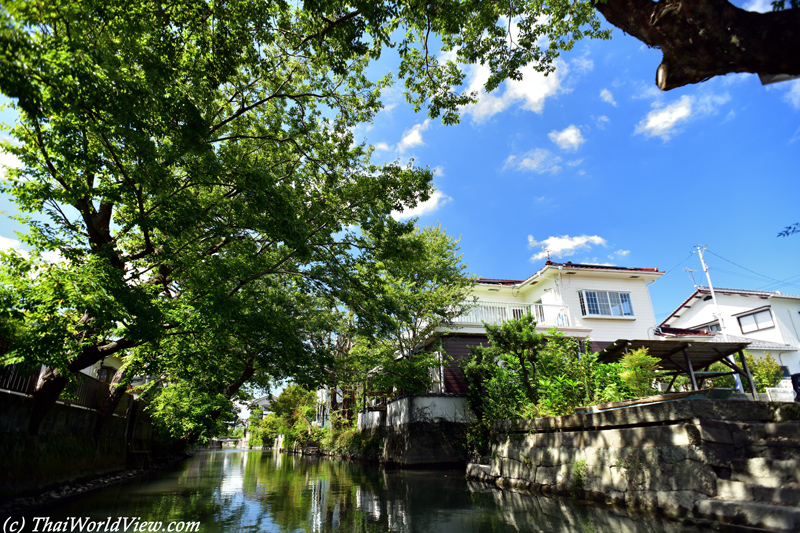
(683, 358)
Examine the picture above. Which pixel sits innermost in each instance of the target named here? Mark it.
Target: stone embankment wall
(675, 457)
(66, 448)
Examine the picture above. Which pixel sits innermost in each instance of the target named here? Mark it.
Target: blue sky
(597, 165)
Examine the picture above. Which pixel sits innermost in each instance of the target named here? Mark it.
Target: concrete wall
(421, 430)
(428, 409)
(65, 449)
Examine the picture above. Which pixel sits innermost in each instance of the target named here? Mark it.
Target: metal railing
(13, 380)
(497, 312)
(89, 392)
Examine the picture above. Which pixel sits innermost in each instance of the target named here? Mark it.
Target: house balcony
(547, 315)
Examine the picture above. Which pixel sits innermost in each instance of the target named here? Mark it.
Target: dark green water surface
(231, 491)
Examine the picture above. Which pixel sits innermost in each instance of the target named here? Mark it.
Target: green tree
(428, 288)
(198, 174)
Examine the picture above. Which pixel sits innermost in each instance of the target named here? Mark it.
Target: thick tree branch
(701, 39)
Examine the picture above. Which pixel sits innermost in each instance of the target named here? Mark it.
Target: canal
(235, 490)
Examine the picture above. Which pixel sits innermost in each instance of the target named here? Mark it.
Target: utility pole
(718, 314)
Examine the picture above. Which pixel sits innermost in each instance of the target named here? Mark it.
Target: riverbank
(62, 493)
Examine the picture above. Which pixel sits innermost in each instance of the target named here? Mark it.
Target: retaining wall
(664, 457)
(65, 449)
(421, 430)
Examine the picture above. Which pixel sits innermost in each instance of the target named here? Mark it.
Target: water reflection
(233, 490)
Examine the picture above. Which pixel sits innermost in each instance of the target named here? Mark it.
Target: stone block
(552, 475)
(715, 431)
(677, 503)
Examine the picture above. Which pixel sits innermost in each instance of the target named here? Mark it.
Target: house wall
(563, 290)
(785, 314)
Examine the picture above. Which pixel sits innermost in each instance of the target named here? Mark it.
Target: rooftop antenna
(717, 312)
(545, 250)
(691, 273)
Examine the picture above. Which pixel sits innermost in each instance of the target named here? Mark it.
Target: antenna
(691, 273)
(545, 250)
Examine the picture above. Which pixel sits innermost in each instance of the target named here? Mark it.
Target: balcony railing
(547, 315)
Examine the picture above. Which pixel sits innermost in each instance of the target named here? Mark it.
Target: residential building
(769, 320)
(594, 303)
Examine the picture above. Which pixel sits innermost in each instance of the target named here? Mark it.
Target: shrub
(639, 372)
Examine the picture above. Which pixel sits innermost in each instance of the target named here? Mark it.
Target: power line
(679, 264)
(782, 282)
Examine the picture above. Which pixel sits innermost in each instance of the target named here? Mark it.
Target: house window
(106, 374)
(605, 303)
(756, 321)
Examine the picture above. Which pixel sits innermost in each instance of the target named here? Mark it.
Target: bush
(765, 370)
(639, 372)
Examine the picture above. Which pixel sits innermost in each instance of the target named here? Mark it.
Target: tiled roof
(746, 292)
(491, 281)
(570, 264)
(754, 343)
(702, 289)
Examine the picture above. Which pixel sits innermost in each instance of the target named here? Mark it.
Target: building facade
(595, 303)
(770, 321)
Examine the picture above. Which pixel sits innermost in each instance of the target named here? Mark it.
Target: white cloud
(564, 245)
(575, 162)
(382, 147)
(437, 200)
(530, 93)
(602, 120)
(606, 96)
(8, 160)
(413, 137)
(664, 122)
(582, 64)
(760, 6)
(568, 139)
(738, 77)
(618, 254)
(793, 94)
(538, 160)
(438, 170)
(7, 244)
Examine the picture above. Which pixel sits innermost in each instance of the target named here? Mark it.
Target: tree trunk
(701, 39)
(110, 402)
(52, 382)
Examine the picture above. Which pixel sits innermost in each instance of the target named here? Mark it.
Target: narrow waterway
(235, 490)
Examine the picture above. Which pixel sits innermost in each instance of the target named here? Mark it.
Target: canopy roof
(682, 357)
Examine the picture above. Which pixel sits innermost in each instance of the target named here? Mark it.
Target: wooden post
(689, 368)
(748, 376)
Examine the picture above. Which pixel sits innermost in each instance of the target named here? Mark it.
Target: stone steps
(766, 472)
(742, 491)
(753, 514)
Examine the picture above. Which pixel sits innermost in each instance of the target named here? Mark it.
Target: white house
(770, 321)
(595, 302)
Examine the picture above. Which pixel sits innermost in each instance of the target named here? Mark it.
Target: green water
(231, 491)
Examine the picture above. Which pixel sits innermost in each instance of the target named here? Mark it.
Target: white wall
(784, 314)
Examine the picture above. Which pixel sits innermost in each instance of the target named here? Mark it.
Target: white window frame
(756, 321)
(619, 304)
